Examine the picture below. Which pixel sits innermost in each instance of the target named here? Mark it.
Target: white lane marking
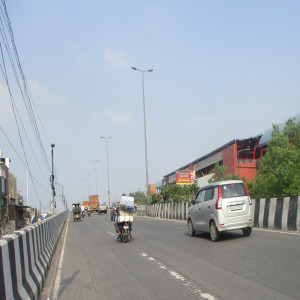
(190, 285)
(111, 233)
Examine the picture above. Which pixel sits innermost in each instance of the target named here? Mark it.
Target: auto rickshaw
(76, 212)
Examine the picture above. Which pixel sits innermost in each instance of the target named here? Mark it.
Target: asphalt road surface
(163, 262)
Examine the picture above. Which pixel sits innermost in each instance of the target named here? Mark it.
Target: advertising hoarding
(185, 177)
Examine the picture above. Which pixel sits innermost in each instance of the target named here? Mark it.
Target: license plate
(126, 227)
(236, 207)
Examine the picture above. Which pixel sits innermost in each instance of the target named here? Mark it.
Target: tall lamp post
(52, 178)
(95, 162)
(145, 131)
(106, 138)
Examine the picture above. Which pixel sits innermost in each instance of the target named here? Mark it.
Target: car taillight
(219, 200)
(250, 201)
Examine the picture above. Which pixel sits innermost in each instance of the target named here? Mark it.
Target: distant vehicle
(113, 211)
(76, 212)
(85, 204)
(94, 202)
(102, 208)
(219, 207)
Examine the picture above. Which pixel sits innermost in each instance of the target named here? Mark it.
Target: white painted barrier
(25, 257)
(274, 213)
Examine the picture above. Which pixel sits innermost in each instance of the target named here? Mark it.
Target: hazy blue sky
(223, 70)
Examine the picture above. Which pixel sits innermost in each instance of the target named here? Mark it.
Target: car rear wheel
(247, 231)
(191, 228)
(214, 232)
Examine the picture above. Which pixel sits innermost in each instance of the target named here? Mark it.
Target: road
(163, 262)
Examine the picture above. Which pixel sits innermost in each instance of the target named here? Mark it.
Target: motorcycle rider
(118, 227)
(116, 222)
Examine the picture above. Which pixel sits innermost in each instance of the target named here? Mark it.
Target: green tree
(278, 172)
(178, 193)
(155, 198)
(139, 197)
(219, 174)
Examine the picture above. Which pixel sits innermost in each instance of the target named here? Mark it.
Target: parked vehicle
(94, 202)
(219, 207)
(102, 208)
(113, 211)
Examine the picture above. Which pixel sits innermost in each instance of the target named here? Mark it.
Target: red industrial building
(239, 156)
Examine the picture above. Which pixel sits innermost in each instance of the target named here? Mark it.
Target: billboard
(185, 177)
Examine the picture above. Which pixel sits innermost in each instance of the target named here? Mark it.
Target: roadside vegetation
(278, 172)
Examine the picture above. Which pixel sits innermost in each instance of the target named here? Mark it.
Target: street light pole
(52, 182)
(145, 131)
(108, 191)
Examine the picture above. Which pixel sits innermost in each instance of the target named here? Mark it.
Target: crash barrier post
(273, 213)
(25, 257)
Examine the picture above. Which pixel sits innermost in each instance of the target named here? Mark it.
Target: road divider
(25, 257)
(273, 213)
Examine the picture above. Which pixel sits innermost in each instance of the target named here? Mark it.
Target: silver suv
(221, 206)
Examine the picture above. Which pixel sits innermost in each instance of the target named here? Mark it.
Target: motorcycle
(125, 231)
(89, 213)
(83, 214)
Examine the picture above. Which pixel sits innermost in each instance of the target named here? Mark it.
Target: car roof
(223, 182)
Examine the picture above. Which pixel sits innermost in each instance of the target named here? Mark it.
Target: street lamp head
(134, 68)
(150, 70)
(52, 145)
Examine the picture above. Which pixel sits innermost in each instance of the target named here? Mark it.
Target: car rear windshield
(233, 190)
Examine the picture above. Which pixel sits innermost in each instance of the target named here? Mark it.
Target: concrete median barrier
(25, 257)
(273, 213)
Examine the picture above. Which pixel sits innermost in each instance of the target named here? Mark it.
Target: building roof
(264, 138)
(267, 135)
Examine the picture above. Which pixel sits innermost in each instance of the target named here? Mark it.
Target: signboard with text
(185, 177)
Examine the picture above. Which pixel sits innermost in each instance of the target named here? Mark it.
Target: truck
(94, 202)
(85, 204)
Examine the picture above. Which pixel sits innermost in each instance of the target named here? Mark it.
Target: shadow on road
(225, 236)
(64, 284)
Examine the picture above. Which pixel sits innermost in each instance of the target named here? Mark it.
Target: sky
(222, 70)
